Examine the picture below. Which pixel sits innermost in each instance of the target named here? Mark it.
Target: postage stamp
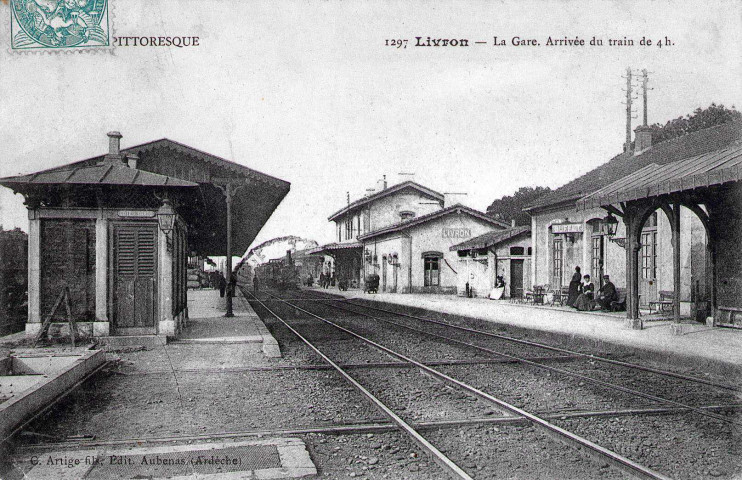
(59, 24)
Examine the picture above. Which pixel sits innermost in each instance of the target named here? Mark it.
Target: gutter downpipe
(409, 265)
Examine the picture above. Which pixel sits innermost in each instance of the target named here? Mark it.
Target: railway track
(597, 358)
(560, 371)
(603, 454)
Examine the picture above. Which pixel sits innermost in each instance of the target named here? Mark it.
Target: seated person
(607, 294)
(584, 300)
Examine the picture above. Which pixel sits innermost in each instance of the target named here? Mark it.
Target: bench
(667, 298)
(619, 305)
(560, 295)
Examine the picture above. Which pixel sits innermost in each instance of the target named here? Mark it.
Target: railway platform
(207, 323)
(700, 345)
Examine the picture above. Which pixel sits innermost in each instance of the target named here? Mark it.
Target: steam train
(291, 271)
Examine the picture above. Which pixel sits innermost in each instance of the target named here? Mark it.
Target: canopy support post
(229, 189)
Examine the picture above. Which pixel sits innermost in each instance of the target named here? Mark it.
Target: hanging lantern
(611, 224)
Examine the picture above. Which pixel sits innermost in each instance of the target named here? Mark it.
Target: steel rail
(625, 464)
(354, 428)
(443, 461)
(353, 366)
(569, 373)
(550, 347)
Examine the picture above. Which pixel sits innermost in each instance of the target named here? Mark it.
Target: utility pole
(627, 145)
(645, 81)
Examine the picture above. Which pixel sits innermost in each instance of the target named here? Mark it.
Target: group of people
(326, 280)
(224, 286)
(581, 294)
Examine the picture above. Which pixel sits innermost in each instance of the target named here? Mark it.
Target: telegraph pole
(627, 145)
(645, 81)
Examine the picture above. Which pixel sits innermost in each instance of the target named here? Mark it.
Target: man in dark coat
(222, 283)
(574, 288)
(607, 294)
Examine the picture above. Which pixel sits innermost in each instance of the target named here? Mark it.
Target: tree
(510, 207)
(698, 120)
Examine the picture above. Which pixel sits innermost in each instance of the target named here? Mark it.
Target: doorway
(516, 278)
(134, 278)
(383, 273)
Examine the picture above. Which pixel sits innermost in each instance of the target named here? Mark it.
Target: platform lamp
(611, 224)
(166, 217)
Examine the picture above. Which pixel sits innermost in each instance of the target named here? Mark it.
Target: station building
(115, 232)
(499, 253)
(403, 233)
(581, 224)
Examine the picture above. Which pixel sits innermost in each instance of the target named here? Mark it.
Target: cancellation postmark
(59, 25)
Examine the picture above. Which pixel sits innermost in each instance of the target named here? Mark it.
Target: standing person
(585, 301)
(574, 287)
(332, 280)
(255, 284)
(232, 284)
(607, 293)
(222, 283)
(322, 279)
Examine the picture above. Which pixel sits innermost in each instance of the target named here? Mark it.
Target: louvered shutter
(136, 269)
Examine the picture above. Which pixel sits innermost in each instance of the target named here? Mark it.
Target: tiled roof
(458, 208)
(335, 246)
(692, 144)
(387, 191)
(103, 174)
(188, 150)
(713, 168)
(490, 239)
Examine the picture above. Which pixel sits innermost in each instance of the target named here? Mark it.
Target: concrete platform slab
(34, 381)
(207, 324)
(147, 341)
(259, 459)
(721, 347)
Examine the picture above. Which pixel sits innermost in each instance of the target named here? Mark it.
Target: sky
(308, 91)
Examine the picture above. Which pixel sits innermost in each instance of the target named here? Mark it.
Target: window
(406, 215)
(432, 271)
(649, 248)
(349, 229)
(358, 224)
(557, 265)
(597, 257)
(649, 254)
(340, 239)
(517, 250)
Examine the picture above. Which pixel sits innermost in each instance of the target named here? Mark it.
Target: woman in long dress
(574, 288)
(586, 301)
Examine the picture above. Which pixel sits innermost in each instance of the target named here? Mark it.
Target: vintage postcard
(370, 239)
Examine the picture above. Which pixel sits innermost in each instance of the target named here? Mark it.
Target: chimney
(132, 160)
(347, 196)
(384, 182)
(643, 139)
(114, 148)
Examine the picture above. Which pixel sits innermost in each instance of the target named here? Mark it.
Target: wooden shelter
(709, 186)
(117, 231)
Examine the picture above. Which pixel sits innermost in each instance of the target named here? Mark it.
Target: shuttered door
(135, 268)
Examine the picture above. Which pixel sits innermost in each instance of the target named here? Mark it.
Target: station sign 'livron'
(456, 232)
